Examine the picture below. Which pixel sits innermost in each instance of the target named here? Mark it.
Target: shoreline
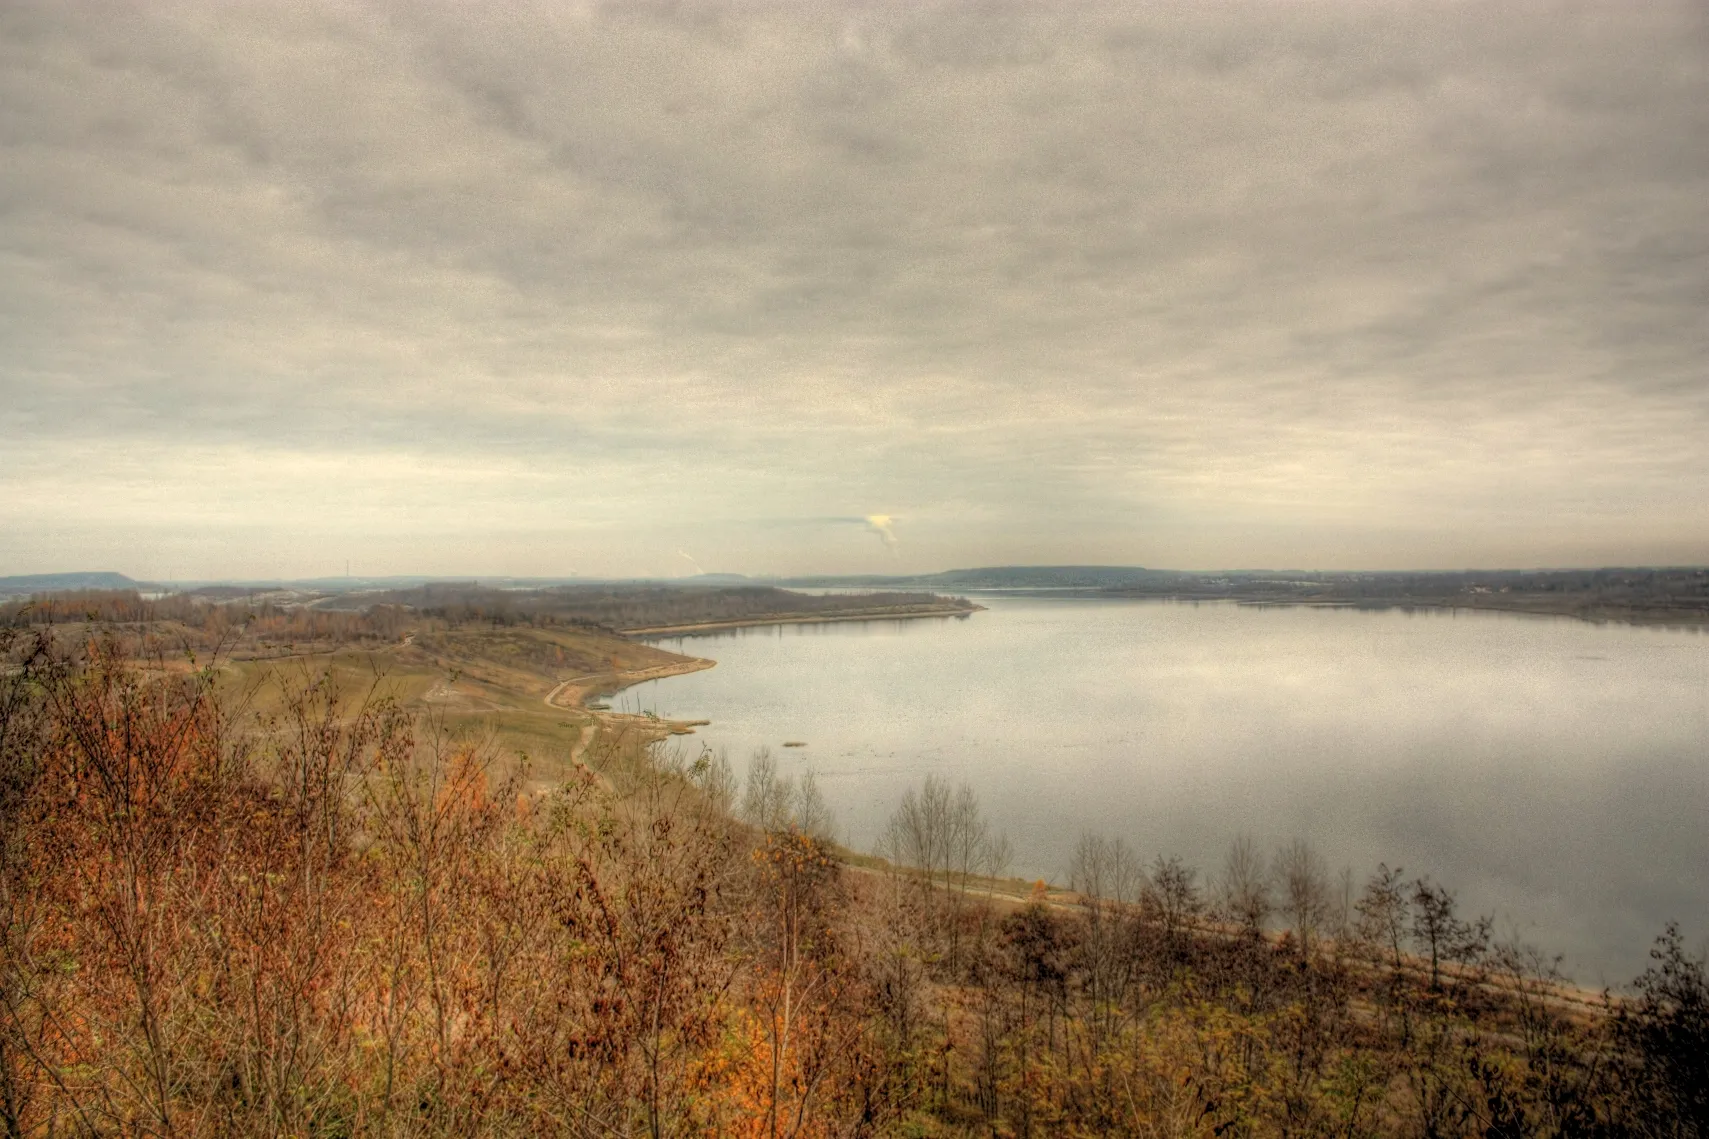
(604, 722)
(800, 619)
(1683, 621)
(1638, 618)
(610, 683)
(575, 693)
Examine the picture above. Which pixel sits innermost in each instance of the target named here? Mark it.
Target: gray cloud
(533, 286)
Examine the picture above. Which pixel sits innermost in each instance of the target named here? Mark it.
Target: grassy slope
(488, 680)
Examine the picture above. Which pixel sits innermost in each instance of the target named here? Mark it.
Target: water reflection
(1551, 771)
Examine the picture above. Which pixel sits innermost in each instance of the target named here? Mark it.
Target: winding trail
(579, 748)
(552, 696)
(577, 688)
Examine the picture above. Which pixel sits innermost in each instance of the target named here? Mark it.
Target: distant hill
(23, 585)
(361, 584)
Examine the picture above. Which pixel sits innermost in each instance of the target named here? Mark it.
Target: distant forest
(1656, 594)
(205, 620)
(1645, 594)
(280, 617)
(638, 606)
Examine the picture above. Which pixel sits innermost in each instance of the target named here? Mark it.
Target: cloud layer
(541, 289)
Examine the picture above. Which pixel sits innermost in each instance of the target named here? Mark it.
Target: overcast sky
(542, 289)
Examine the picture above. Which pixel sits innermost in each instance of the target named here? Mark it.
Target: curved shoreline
(609, 682)
(599, 721)
(573, 693)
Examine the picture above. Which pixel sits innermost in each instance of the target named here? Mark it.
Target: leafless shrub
(1243, 889)
(1172, 896)
(1440, 934)
(810, 814)
(773, 801)
(1302, 884)
(768, 796)
(1106, 870)
(712, 773)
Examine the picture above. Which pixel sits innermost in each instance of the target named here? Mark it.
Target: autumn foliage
(339, 919)
(336, 920)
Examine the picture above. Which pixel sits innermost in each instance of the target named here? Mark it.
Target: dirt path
(571, 695)
(586, 737)
(552, 696)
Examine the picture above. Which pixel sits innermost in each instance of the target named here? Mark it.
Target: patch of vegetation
(298, 905)
(1641, 595)
(641, 607)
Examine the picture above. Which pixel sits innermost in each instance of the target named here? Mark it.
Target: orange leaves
(733, 1081)
(790, 855)
(749, 1087)
(465, 782)
(321, 922)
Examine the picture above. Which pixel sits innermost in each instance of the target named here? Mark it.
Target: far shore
(1604, 615)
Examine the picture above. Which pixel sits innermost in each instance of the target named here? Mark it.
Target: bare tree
(768, 798)
(998, 854)
(918, 834)
(1441, 934)
(713, 775)
(1302, 881)
(1107, 875)
(968, 835)
(943, 834)
(1244, 888)
(1382, 913)
(771, 800)
(1342, 906)
(1666, 1029)
(1173, 896)
(809, 813)
(1106, 870)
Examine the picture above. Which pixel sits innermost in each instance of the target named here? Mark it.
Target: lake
(1552, 772)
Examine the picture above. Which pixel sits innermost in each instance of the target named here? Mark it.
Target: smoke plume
(883, 526)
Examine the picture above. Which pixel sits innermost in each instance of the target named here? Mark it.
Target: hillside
(403, 892)
(23, 585)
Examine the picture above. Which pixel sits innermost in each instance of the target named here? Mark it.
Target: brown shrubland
(341, 918)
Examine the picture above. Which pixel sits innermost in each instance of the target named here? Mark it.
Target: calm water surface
(1552, 772)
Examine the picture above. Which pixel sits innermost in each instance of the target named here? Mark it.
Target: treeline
(1268, 999)
(219, 620)
(335, 920)
(1650, 593)
(631, 607)
(234, 622)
